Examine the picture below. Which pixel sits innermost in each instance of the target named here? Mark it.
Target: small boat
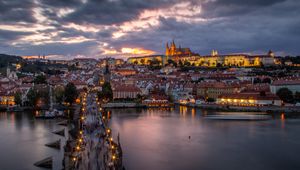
(55, 144)
(50, 114)
(45, 163)
(60, 132)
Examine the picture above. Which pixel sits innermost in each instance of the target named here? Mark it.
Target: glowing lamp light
(282, 117)
(77, 148)
(114, 157)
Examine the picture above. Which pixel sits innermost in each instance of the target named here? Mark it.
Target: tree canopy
(286, 95)
(40, 79)
(71, 93)
(106, 92)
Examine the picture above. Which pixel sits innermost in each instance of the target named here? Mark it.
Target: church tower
(167, 50)
(271, 54)
(173, 48)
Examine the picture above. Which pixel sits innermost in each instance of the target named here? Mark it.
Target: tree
(297, 96)
(106, 92)
(71, 93)
(40, 79)
(32, 97)
(187, 63)
(59, 93)
(210, 100)
(219, 65)
(142, 61)
(135, 62)
(267, 80)
(18, 98)
(286, 95)
(154, 62)
(180, 63)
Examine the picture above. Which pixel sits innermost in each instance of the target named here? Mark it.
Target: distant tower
(173, 48)
(167, 49)
(214, 53)
(107, 73)
(271, 54)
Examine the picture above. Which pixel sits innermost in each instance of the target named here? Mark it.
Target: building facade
(213, 60)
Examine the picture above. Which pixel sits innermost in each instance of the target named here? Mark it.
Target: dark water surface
(158, 140)
(23, 139)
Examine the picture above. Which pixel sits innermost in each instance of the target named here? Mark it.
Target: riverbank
(269, 109)
(217, 107)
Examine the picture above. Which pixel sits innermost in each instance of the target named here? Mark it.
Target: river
(23, 139)
(159, 140)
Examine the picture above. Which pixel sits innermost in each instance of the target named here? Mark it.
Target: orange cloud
(136, 51)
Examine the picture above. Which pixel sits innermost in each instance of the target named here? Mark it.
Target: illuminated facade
(7, 100)
(249, 99)
(146, 60)
(213, 60)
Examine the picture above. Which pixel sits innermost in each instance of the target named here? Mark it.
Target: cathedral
(178, 54)
(173, 50)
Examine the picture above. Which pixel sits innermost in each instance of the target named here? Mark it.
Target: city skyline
(89, 28)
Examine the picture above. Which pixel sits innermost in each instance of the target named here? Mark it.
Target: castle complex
(213, 60)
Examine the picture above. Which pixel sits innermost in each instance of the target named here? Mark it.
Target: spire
(167, 49)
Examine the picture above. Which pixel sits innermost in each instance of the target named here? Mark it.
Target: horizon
(122, 29)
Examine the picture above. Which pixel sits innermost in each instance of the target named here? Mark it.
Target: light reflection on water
(158, 139)
(23, 139)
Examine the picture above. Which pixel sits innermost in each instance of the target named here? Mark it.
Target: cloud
(7, 37)
(16, 11)
(100, 28)
(224, 8)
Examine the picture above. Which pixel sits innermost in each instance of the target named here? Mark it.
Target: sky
(66, 29)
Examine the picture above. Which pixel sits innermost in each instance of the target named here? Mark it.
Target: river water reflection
(159, 140)
(23, 139)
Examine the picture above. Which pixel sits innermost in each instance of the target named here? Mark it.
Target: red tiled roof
(125, 88)
(286, 82)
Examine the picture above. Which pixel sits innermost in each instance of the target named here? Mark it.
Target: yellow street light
(77, 148)
(114, 157)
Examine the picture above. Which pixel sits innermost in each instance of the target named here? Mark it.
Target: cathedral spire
(167, 49)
